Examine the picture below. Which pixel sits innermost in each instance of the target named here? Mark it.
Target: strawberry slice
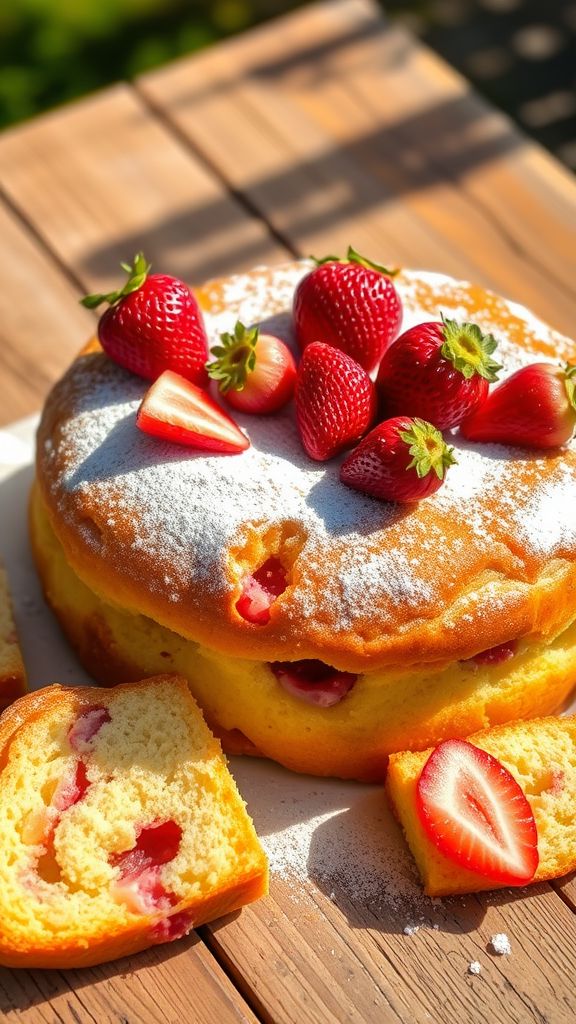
(260, 590)
(476, 814)
(313, 682)
(176, 410)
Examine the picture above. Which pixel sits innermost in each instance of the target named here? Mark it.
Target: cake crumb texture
(85, 775)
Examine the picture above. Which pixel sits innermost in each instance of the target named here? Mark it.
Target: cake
(121, 825)
(397, 626)
(12, 673)
(541, 756)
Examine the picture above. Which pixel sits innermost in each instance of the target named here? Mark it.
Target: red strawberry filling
(260, 590)
(496, 655)
(476, 814)
(139, 883)
(172, 928)
(69, 791)
(86, 726)
(312, 681)
(71, 788)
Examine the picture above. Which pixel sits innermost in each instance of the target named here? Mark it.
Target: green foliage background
(54, 50)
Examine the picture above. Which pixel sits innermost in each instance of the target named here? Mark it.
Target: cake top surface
(370, 582)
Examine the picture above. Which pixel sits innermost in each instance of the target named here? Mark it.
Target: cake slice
(120, 825)
(541, 757)
(12, 674)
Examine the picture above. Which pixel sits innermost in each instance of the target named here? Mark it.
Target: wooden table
(324, 128)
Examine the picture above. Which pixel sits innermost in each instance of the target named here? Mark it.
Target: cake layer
(172, 534)
(386, 710)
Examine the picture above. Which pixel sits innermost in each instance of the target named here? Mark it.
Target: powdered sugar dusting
(187, 510)
(336, 837)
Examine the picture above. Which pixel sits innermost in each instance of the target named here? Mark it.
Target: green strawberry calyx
(570, 384)
(469, 350)
(137, 274)
(235, 358)
(428, 449)
(352, 256)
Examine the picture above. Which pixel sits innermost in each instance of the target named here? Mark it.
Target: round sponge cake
(144, 548)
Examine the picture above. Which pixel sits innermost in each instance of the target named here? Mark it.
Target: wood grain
(353, 131)
(164, 985)
(101, 179)
(41, 324)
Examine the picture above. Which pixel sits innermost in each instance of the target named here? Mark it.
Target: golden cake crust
(170, 533)
(12, 671)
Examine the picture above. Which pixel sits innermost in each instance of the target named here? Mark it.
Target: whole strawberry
(402, 459)
(335, 401)
(351, 304)
(437, 371)
(534, 407)
(153, 324)
(256, 372)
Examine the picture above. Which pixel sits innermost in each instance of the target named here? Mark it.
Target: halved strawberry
(255, 372)
(335, 401)
(534, 407)
(176, 410)
(401, 459)
(260, 590)
(476, 814)
(313, 681)
(351, 304)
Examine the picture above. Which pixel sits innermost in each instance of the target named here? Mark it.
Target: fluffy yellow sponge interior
(153, 761)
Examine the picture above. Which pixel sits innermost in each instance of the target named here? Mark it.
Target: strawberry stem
(352, 256)
(428, 449)
(570, 384)
(236, 358)
(137, 274)
(469, 350)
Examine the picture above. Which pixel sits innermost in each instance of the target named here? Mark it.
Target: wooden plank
(41, 323)
(340, 144)
(101, 179)
(354, 964)
(164, 985)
